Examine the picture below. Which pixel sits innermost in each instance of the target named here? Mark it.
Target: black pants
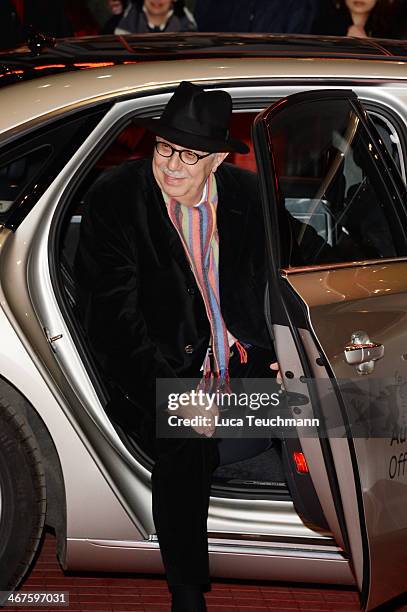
(181, 482)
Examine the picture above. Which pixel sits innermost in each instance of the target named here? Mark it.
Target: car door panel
(341, 290)
(350, 305)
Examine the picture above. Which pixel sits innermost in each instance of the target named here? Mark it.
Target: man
(171, 261)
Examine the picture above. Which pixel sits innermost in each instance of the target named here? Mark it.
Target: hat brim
(192, 141)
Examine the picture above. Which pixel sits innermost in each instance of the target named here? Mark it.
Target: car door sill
(277, 561)
(326, 550)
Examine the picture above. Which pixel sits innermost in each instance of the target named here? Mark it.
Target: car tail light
(300, 463)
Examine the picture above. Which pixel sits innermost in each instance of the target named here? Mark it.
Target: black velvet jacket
(138, 298)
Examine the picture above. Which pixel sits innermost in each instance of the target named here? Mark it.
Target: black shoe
(187, 598)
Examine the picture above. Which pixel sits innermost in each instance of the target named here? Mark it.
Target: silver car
(329, 142)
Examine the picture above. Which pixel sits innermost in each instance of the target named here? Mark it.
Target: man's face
(158, 8)
(181, 181)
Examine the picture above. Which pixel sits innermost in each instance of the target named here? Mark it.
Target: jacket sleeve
(107, 273)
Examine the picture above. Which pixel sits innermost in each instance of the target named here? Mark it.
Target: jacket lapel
(231, 221)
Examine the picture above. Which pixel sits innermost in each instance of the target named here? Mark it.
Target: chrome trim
(259, 548)
(365, 345)
(247, 541)
(362, 352)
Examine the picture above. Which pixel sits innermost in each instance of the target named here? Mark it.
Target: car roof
(47, 56)
(76, 72)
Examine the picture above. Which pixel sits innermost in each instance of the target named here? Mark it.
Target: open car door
(334, 208)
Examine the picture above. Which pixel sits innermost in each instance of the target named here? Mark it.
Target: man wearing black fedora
(170, 273)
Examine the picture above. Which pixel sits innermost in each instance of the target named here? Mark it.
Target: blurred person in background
(116, 10)
(360, 18)
(143, 16)
(273, 16)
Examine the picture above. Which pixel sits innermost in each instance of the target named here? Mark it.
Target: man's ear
(219, 158)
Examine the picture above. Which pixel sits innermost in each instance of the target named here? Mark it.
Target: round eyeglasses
(188, 157)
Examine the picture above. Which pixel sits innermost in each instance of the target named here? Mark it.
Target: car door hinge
(52, 339)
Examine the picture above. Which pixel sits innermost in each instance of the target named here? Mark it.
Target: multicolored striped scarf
(197, 229)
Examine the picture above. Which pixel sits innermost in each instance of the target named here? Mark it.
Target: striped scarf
(197, 229)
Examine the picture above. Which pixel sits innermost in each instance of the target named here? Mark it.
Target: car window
(340, 209)
(30, 163)
(18, 172)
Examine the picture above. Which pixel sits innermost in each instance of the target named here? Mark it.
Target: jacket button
(191, 290)
(189, 348)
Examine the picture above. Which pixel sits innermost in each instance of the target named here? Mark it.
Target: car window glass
(330, 182)
(390, 139)
(19, 172)
(32, 160)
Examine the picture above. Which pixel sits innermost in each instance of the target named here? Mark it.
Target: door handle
(362, 352)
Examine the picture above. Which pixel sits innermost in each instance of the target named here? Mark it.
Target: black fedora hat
(197, 119)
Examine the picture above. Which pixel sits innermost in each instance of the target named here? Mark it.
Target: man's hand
(276, 368)
(206, 415)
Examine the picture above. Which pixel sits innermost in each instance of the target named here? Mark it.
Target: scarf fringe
(242, 352)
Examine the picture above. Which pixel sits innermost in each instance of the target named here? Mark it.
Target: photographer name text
(250, 420)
